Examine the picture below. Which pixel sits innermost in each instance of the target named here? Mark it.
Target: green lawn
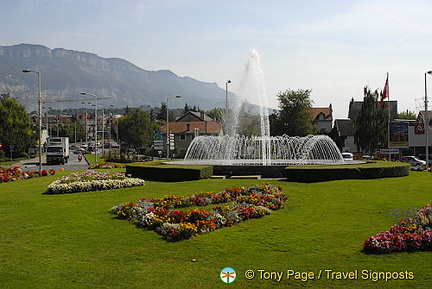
(71, 241)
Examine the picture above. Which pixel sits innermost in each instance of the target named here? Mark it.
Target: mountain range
(66, 73)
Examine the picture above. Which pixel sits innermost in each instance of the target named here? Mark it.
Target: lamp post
(426, 119)
(226, 105)
(96, 121)
(39, 113)
(86, 128)
(168, 131)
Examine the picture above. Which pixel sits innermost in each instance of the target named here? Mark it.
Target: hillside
(65, 73)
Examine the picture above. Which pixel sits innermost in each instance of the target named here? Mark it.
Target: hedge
(368, 170)
(160, 171)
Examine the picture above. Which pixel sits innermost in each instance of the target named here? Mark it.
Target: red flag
(385, 92)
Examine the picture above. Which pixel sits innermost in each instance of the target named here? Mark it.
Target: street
(72, 165)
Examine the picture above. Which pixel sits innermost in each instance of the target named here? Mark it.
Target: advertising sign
(399, 136)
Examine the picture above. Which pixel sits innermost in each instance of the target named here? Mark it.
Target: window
(182, 137)
(188, 127)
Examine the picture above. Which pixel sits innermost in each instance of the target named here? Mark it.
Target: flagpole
(388, 119)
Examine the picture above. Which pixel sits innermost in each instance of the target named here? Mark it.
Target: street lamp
(86, 127)
(39, 113)
(226, 105)
(168, 131)
(426, 119)
(96, 120)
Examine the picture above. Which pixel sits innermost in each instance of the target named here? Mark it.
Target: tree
(70, 130)
(407, 115)
(216, 113)
(295, 115)
(370, 125)
(186, 109)
(162, 113)
(249, 123)
(136, 129)
(16, 130)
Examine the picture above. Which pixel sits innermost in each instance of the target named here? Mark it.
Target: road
(72, 165)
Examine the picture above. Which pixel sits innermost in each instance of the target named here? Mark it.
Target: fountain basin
(262, 151)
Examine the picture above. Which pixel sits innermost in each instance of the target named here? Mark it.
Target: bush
(368, 170)
(160, 171)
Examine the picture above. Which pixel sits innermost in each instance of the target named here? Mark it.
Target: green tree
(370, 125)
(217, 114)
(69, 130)
(162, 113)
(295, 115)
(186, 109)
(17, 132)
(136, 129)
(249, 123)
(411, 115)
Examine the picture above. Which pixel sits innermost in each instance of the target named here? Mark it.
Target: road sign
(171, 141)
(157, 137)
(158, 143)
(158, 132)
(389, 151)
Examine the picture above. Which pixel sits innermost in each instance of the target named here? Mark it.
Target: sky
(335, 48)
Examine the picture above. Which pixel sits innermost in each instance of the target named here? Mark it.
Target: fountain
(233, 150)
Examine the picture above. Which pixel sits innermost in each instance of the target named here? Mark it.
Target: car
(423, 157)
(414, 161)
(347, 156)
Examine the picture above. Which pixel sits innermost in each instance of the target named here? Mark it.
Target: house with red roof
(322, 117)
(188, 126)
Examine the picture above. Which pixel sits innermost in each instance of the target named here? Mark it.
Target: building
(322, 117)
(188, 126)
(356, 106)
(343, 129)
(343, 135)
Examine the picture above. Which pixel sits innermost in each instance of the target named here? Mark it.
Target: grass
(90, 158)
(71, 241)
(8, 162)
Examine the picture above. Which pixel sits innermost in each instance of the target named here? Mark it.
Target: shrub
(159, 171)
(368, 170)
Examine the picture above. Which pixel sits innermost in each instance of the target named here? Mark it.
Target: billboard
(398, 134)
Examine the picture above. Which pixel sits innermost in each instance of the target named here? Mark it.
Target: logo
(419, 128)
(228, 275)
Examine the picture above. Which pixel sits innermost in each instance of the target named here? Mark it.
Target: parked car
(423, 157)
(414, 161)
(348, 156)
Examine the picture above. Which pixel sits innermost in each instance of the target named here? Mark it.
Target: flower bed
(16, 173)
(105, 166)
(91, 181)
(160, 215)
(408, 235)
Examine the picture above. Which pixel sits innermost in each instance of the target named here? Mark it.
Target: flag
(385, 92)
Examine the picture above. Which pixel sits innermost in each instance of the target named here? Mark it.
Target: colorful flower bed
(105, 166)
(160, 215)
(16, 173)
(91, 181)
(408, 235)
